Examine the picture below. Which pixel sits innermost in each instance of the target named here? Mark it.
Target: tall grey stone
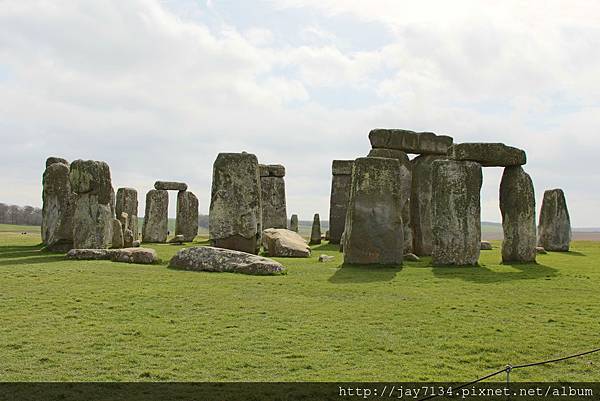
(294, 223)
(52, 160)
(156, 218)
(117, 238)
(456, 212)
(374, 228)
(517, 205)
(340, 195)
(235, 219)
(93, 214)
(274, 214)
(57, 207)
(315, 232)
(420, 204)
(186, 223)
(127, 202)
(555, 224)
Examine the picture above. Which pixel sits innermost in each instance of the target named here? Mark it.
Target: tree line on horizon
(20, 215)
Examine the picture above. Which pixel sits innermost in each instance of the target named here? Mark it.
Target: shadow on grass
(23, 251)
(573, 253)
(325, 247)
(364, 274)
(34, 260)
(483, 275)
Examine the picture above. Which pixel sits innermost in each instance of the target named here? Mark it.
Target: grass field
(98, 321)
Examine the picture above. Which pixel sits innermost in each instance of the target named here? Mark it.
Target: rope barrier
(510, 368)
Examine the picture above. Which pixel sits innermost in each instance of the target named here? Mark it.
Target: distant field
(101, 321)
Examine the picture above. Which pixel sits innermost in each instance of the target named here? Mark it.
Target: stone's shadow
(364, 274)
(481, 274)
(571, 253)
(27, 254)
(325, 247)
(33, 260)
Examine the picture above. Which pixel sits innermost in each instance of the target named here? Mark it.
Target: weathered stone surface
(136, 243)
(279, 242)
(271, 170)
(341, 182)
(117, 238)
(144, 256)
(315, 233)
(186, 223)
(456, 212)
(156, 218)
(326, 258)
(342, 239)
(342, 167)
(235, 220)
(92, 223)
(58, 207)
(274, 213)
(411, 257)
(489, 154)
(124, 219)
(540, 250)
(89, 254)
(554, 229)
(374, 228)
(128, 238)
(178, 239)
(399, 155)
(410, 141)
(52, 160)
(294, 223)
(486, 246)
(127, 202)
(420, 204)
(517, 205)
(212, 259)
(407, 226)
(92, 177)
(170, 186)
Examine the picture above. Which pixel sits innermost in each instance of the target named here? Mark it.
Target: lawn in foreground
(99, 321)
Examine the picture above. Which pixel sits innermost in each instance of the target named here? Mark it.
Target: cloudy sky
(158, 87)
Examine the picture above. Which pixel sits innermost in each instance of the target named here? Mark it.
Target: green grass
(98, 321)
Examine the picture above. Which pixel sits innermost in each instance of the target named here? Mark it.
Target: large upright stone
(555, 224)
(456, 212)
(517, 205)
(127, 202)
(410, 141)
(93, 215)
(340, 195)
(374, 228)
(420, 204)
(156, 218)
(489, 154)
(274, 214)
(235, 212)
(186, 223)
(117, 238)
(294, 223)
(52, 160)
(315, 232)
(58, 206)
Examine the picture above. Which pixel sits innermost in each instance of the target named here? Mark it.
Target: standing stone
(127, 202)
(93, 215)
(374, 228)
(294, 223)
(420, 204)
(127, 238)
(340, 195)
(186, 223)
(456, 212)
(52, 160)
(58, 206)
(274, 214)
(124, 219)
(156, 218)
(517, 205)
(315, 233)
(235, 218)
(117, 239)
(555, 224)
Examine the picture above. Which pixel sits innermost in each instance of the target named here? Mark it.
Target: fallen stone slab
(486, 246)
(326, 258)
(411, 257)
(178, 239)
(410, 141)
(540, 250)
(489, 154)
(211, 259)
(285, 243)
(144, 256)
(89, 254)
(170, 186)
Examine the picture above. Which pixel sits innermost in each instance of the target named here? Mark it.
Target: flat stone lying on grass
(178, 239)
(540, 250)
(211, 259)
(489, 154)
(124, 255)
(410, 141)
(411, 257)
(326, 258)
(285, 243)
(486, 246)
(170, 186)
